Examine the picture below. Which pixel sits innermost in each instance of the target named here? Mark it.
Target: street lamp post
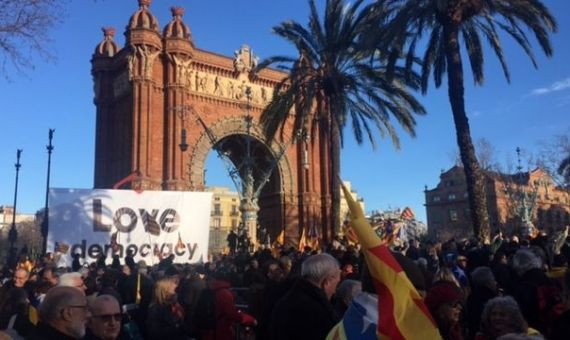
(524, 197)
(45, 222)
(13, 234)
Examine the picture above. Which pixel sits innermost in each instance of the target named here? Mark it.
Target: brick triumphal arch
(160, 86)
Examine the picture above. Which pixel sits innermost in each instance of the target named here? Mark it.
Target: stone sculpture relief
(183, 70)
(147, 57)
(223, 87)
(245, 60)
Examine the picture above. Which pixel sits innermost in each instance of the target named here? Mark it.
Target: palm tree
(332, 80)
(444, 23)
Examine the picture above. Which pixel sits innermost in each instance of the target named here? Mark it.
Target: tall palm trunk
(335, 178)
(473, 174)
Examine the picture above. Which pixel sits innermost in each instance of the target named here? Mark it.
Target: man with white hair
(306, 312)
(105, 320)
(73, 279)
(63, 315)
(19, 280)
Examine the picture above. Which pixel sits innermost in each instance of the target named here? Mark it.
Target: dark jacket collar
(44, 331)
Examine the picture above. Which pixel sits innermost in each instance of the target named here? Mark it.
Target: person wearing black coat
(165, 318)
(306, 312)
(538, 296)
(483, 289)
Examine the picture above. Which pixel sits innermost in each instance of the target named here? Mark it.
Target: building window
(451, 197)
(467, 213)
(217, 210)
(216, 198)
(436, 198)
(453, 215)
(216, 223)
(465, 195)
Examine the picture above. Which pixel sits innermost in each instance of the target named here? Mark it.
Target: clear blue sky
(60, 95)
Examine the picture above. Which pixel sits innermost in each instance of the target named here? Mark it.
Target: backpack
(205, 312)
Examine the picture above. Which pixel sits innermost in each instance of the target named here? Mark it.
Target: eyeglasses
(77, 306)
(109, 317)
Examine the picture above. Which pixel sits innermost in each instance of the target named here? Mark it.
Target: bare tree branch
(486, 155)
(25, 27)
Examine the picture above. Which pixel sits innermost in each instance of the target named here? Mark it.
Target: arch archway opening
(230, 157)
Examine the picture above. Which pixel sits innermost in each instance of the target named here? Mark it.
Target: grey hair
(101, 299)
(508, 305)
(483, 277)
(55, 300)
(422, 263)
(347, 290)
(68, 279)
(525, 260)
(318, 267)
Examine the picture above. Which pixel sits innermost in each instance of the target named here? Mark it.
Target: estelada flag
(407, 214)
(402, 312)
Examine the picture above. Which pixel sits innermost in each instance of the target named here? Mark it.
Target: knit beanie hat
(442, 292)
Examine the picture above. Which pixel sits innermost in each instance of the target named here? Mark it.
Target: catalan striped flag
(313, 238)
(402, 312)
(303, 240)
(281, 237)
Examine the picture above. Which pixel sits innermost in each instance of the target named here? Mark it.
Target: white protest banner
(150, 224)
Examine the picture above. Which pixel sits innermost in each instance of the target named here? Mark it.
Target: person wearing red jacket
(226, 311)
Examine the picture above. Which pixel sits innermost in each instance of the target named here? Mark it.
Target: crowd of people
(509, 289)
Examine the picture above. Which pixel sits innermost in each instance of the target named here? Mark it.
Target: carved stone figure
(217, 87)
(241, 90)
(230, 90)
(147, 59)
(182, 70)
(254, 95)
(264, 96)
(245, 60)
(202, 83)
(131, 65)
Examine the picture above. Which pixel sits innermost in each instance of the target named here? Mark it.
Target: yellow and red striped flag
(402, 312)
(303, 241)
(281, 237)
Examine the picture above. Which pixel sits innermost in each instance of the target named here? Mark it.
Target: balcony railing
(216, 213)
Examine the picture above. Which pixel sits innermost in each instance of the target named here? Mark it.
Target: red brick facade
(448, 211)
(159, 84)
